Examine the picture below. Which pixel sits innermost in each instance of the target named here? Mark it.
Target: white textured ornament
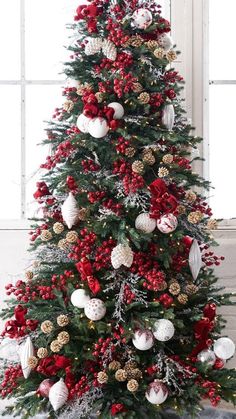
(95, 309)
(145, 223)
(58, 395)
(142, 18)
(157, 392)
(163, 330)
(82, 123)
(9, 350)
(207, 356)
(70, 211)
(165, 41)
(109, 50)
(98, 127)
(143, 339)
(79, 298)
(224, 348)
(195, 259)
(167, 223)
(121, 255)
(118, 108)
(93, 46)
(168, 116)
(26, 350)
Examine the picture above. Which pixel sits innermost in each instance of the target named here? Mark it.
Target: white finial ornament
(70, 211)
(58, 395)
(157, 392)
(168, 116)
(143, 339)
(121, 255)
(26, 350)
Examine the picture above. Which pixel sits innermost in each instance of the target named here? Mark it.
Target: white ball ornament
(207, 356)
(163, 330)
(79, 298)
(82, 123)
(143, 340)
(58, 395)
(70, 211)
(142, 18)
(118, 108)
(122, 255)
(98, 127)
(165, 41)
(157, 392)
(167, 223)
(95, 309)
(145, 223)
(224, 348)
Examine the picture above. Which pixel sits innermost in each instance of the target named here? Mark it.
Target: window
(221, 147)
(32, 54)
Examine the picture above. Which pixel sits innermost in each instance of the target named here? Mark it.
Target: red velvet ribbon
(161, 201)
(85, 270)
(203, 327)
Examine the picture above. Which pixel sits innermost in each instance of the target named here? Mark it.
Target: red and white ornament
(142, 18)
(95, 309)
(70, 211)
(79, 298)
(165, 41)
(143, 339)
(163, 330)
(98, 127)
(118, 108)
(44, 387)
(121, 255)
(82, 123)
(168, 116)
(157, 392)
(145, 223)
(58, 395)
(167, 223)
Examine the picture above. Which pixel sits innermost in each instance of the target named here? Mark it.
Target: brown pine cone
(47, 327)
(102, 377)
(190, 196)
(121, 375)
(29, 275)
(163, 172)
(63, 338)
(72, 237)
(136, 41)
(132, 386)
(191, 289)
(195, 217)
(58, 228)
(159, 53)
(182, 299)
(137, 87)
(46, 235)
(42, 353)
(138, 167)
(68, 106)
(134, 374)
(63, 320)
(144, 98)
(174, 288)
(171, 55)
(114, 365)
(63, 244)
(130, 151)
(32, 362)
(55, 346)
(168, 159)
(131, 365)
(149, 159)
(151, 44)
(83, 214)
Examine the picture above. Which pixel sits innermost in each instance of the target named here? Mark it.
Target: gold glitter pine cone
(138, 167)
(168, 159)
(32, 362)
(182, 299)
(46, 235)
(174, 288)
(72, 237)
(121, 375)
(149, 159)
(55, 346)
(58, 228)
(130, 151)
(63, 320)
(132, 385)
(42, 353)
(102, 377)
(47, 327)
(114, 366)
(63, 338)
(144, 98)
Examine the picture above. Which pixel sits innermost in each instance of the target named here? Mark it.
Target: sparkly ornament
(79, 298)
(138, 167)
(195, 217)
(26, 351)
(121, 255)
(72, 237)
(58, 228)
(55, 346)
(174, 288)
(207, 356)
(29, 275)
(58, 395)
(144, 98)
(118, 108)
(159, 53)
(167, 223)
(98, 127)
(70, 211)
(63, 338)
(224, 348)
(191, 289)
(145, 223)
(165, 42)
(121, 375)
(47, 327)
(195, 259)
(42, 353)
(63, 320)
(46, 235)
(157, 392)
(95, 309)
(143, 339)
(93, 46)
(109, 50)
(132, 385)
(44, 387)
(168, 116)
(82, 123)
(102, 377)
(163, 330)
(142, 18)
(149, 159)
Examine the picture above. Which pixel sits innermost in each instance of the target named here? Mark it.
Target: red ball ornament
(219, 364)
(44, 387)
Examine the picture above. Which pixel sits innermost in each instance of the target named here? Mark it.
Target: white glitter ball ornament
(58, 395)
(95, 309)
(163, 330)
(145, 223)
(118, 108)
(109, 50)
(168, 116)
(121, 255)
(70, 211)
(143, 339)
(207, 356)
(26, 350)
(82, 123)
(93, 46)
(167, 223)
(98, 127)
(157, 392)
(224, 348)
(142, 18)
(79, 298)
(165, 41)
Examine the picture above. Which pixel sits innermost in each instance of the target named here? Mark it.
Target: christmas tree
(117, 317)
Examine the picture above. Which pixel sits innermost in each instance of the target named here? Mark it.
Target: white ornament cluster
(166, 224)
(142, 18)
(163, 330)
(157, 392)
(97, 45)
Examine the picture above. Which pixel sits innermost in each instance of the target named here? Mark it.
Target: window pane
(40, 104)
(222, 40)
(10, 152)
(10, 39)
(46, 36)
(222, 150)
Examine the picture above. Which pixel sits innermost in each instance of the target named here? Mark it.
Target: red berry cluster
(142, 263)
(209, 258)
(124, 84)
(105, 86)
(156, 100)
(103, 255)
(202, 206)
(182, 162)
(122, 145)
(112, 206)
(36, 233)
(42, 191)
(101, 347)
(121, 167)
(166, 300)
(89, 166)
(84, 245)
(10, 379)
(210, 391)
(154, 280)
(179, 261)
(70, 93)
(129, 296)
(171, 77)
(116, 34)
(73, 130)
(132, 183)
(63, 151)
(94, 197)
(170, 94)
(71, 183)
(80, 387)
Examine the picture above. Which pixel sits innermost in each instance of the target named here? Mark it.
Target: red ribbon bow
(85, 270)
(161, 201)
(203, 327)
